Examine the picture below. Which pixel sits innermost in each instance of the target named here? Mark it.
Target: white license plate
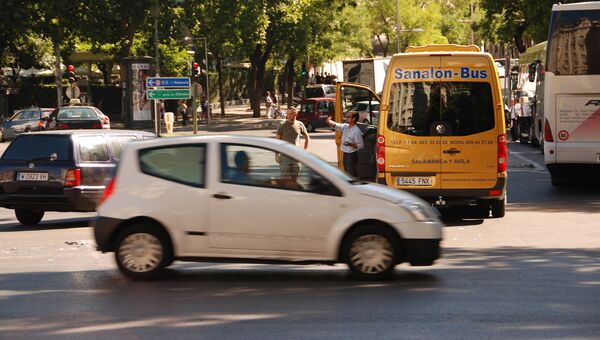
(32, 176)
(414, 181)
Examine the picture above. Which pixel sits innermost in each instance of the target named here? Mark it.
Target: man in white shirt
(352, 141)
(523, 111)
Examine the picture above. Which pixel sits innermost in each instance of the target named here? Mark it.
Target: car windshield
(77, 113)
(27, 147)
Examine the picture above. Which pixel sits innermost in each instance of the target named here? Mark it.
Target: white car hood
(384, 193)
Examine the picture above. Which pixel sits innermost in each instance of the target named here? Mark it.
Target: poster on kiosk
(137, 108)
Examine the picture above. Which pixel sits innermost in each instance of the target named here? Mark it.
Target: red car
(314, 112)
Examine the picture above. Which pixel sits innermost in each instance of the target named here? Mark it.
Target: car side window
(185, 164)
(17, 116)
(93, 149)
(118, 143)
(255, 166)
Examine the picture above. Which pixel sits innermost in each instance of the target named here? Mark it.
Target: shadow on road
(507, 292)
(66, 223)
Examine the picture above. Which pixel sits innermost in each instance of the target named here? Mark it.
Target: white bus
(572, 93)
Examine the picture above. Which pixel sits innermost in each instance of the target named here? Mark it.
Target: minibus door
(361, 99)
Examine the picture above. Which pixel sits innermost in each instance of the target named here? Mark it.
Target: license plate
(32, 176)
(415, 181)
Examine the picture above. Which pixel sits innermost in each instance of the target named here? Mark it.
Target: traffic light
(71, 76)
(195, 71)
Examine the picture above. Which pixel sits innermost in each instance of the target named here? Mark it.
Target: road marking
(536, 166)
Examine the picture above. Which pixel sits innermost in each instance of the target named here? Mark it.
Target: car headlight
(419, 210)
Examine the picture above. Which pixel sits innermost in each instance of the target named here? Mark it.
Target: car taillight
(97, 125)
(62, 126)
(502, 153)
(110, 187)
(547, 132)
(106, 121)
(73, 178)
(380, 154)
(41, 124)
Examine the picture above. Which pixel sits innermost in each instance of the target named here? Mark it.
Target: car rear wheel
(143, 251)
(371, 253)
(29, 216)
(499, 207)
(310, 127)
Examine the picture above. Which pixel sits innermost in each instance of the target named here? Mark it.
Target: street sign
(177, 82)
(169, 94)
(73, 91)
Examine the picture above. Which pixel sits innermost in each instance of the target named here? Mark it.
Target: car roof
(220, 138)
(317, 99)
(90, 132)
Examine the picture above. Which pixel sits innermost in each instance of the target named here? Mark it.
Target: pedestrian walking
(275, 104)
(183, 111)
(513, 121)
(352, 141)
(268, 104)
(290, 130)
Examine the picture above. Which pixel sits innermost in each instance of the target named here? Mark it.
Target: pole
(58, 75)
(207, 83)
(156, 13)
(472, 35)
(398, 24)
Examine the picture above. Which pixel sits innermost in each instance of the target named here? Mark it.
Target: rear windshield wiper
(53, 156)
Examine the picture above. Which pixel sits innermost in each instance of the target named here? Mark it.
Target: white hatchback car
(242, 198)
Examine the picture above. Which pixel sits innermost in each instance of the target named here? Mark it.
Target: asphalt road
(533, 274)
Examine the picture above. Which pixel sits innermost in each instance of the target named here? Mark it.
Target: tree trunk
(289, 70)
(519, 43)
(221, 97)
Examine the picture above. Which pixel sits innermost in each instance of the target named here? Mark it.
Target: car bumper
(421, 252)
(72, 199)
(104, 232)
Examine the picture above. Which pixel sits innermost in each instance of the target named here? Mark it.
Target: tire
(557, 181)
(142, 251)
(483, 208)
(29, 216)
(310, 127)
(371, 252)
(27, 130)
(499, 207)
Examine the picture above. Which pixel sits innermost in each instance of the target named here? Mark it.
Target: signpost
(169, 94)
(165, 88)
(171, 82)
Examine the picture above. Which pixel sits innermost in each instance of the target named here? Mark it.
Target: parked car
(314, 112)
(76, 117)
(319, 91)
(367, 114)
(59, 170)
(26, 120)
(212, 197)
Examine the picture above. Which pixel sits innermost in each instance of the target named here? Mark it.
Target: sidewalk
(237, 117)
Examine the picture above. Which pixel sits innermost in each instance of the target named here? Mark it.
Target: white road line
(536, 166)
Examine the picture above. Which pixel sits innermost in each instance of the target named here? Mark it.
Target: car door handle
(452, 151)
(222, 196)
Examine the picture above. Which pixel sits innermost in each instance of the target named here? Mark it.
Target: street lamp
(398, 30)
(155, 12)
(194, 115)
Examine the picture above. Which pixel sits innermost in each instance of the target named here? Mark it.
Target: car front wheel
(371, 253)
(143, 251)
(29, 216)
(310, 127)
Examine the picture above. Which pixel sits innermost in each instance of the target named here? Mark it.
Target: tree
(516, 21)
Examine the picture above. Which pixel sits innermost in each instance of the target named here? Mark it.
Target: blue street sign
(177, 82)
